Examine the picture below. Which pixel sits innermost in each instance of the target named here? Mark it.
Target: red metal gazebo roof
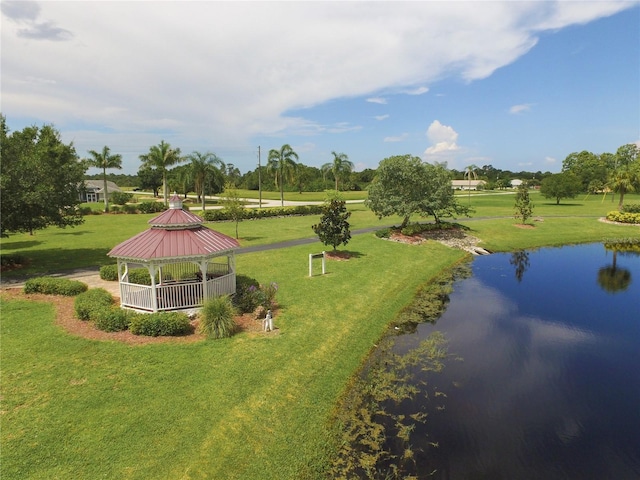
(175, 233)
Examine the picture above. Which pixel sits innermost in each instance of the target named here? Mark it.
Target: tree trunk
(104, 186)
(621, 199)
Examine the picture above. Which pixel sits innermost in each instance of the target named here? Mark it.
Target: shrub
(88, 303)
(115, 209)
(112, 319)
(160, 324)
(151, 207)
(217, 318)
(130, 209)
(109, 273)
(15, 260)
(55, 286)
(269, 295)
(631, 208)
(623, 217)
(84, 211)
(383, 233)
(247, 296)
(120, 198)
(140, 276)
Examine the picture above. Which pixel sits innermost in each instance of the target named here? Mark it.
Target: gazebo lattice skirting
(187, 263)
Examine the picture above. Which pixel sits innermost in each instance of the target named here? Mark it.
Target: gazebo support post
(203, 271)
(154, 293)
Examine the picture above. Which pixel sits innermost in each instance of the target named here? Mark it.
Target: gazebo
(187, 263)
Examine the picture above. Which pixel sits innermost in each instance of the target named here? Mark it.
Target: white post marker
(316, 255)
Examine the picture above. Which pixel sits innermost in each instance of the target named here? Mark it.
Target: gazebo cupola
(186, 262)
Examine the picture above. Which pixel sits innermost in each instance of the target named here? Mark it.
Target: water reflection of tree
(520, 260)
(612, 278)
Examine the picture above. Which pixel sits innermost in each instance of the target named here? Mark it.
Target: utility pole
(259, 181)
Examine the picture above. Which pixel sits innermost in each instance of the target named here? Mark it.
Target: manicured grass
(250, 407)
(247, 407)
(55, 249)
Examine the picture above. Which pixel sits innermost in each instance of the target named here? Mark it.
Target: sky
(514, 84)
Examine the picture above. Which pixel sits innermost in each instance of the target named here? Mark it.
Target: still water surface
(548, 385)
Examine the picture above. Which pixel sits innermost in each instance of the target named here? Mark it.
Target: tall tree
(624, 180)
(470, 171)
(283, 165)
(202, 168)
(588, 167)
(40, 181)
(339, 167)
(161, 157)
(404, 186)
(104, 160)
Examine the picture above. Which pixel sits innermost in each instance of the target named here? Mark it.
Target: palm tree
(161, 157)
(202, 166)
(282, 163)
(468, 173)
(105, 160)
(340, 166)
(622, 181)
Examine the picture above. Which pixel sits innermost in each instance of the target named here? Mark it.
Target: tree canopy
(283, 165)
(334, 228)
(161, 157)
(560, 185)
(404, 185)
(40, 181)
(104, 160)
(339, 167)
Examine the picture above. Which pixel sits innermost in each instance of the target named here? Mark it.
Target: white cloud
(381, 117)
(443, 139)
(550, 160)
(397, 138)
(214, 72)
(524, 107)
(417, 91)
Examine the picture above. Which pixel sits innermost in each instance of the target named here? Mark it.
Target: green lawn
(250, 407)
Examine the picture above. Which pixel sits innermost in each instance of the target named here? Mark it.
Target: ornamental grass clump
(217, 318)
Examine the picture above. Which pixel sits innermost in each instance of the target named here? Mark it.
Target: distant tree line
(42, 178)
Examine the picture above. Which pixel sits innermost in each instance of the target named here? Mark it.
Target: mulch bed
(66, 319)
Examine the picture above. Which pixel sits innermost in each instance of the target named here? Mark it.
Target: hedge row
(97, 305)
(624, 217)
(256, 213)
(140, 276)
(54, 286)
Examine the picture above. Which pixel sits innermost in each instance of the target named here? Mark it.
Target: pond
(542, 377)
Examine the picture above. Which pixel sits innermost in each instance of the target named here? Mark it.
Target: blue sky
(518, 85)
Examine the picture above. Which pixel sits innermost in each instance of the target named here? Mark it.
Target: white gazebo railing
(175, 295)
